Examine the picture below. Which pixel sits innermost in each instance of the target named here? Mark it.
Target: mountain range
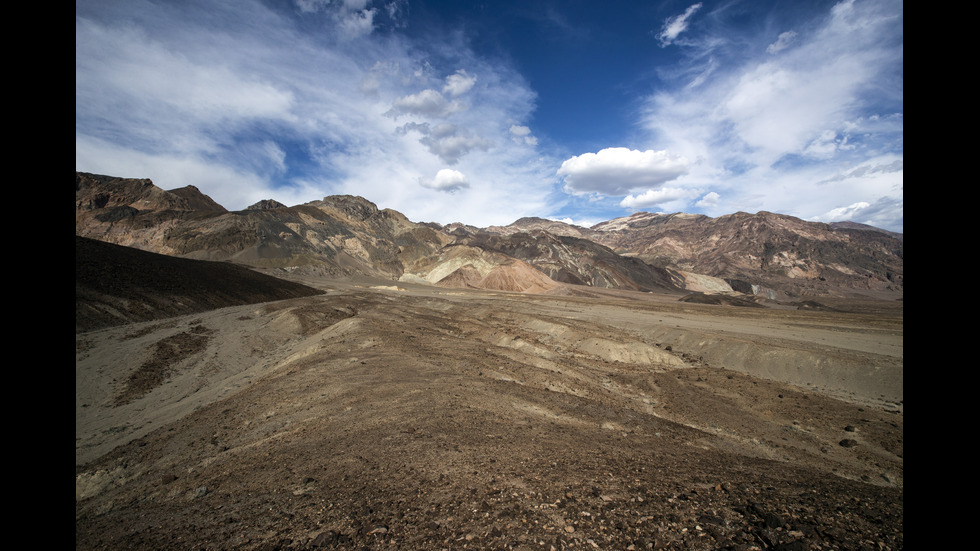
(761, 256)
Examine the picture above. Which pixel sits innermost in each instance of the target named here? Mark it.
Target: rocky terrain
(328, 405)
(786, 255)
(764, 255)
(376, 416)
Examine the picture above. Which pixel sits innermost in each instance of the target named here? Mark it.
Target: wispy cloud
(675, 25)
(243, 101)
(661, 199)
(294, 100)
(778, 129)
(459, 83)
(781, 43)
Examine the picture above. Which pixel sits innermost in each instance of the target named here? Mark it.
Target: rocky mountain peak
(96, 191)
(197, 200)
(354, 206)
(533, 223)
(266, 204)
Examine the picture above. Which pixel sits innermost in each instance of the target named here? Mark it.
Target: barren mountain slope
(765, 254)
(336, 235)
(116, 285)
(783, 253)
(577, 261)
(419, 417)
(531, 223)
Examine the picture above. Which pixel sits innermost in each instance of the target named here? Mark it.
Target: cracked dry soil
(372, 418)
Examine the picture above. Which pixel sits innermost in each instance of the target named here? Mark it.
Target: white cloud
(781, 43)
(244, 101)
(192, 94)
(231, 187)
(522, 135)
(710, 200)
(873, 169)
(350, 17)
(125, 69)
(447, 180)
(674, 26)
(310, 6)
(356, 23)
(446, 141)
(576, 221)
(846, 213)
(826, 145)
(451, 143)
(884, 213)
(618, 170)
(459, 83)
(428, 103)
(772, 132)
(658, 198)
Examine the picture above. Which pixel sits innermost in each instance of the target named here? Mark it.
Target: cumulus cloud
(618, 170)
(428, 103)
(450, 143)
(522, 135)
(657, 198)
(447, 180)
(432, 103)
(710, 200)
(459, 83)
(447, 141)
(674, 26)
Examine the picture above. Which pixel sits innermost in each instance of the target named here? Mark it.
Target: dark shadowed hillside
(116, 285)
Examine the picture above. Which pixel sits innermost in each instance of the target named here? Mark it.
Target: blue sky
(485, 112)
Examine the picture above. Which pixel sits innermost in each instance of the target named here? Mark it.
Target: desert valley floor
(395, 416)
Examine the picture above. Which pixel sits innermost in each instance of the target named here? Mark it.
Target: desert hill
(116, 285)
(766, 255)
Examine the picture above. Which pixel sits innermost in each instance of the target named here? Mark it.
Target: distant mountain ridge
(763, 255)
